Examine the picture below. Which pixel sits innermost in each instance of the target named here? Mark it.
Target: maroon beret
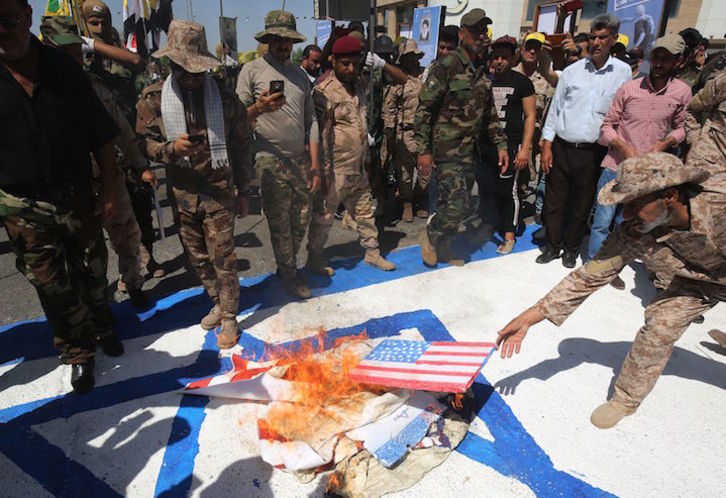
(347, 45)
(505, 41)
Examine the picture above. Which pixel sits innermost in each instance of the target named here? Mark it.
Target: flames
(323, 393)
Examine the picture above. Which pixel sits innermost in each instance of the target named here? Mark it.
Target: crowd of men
(642, 155)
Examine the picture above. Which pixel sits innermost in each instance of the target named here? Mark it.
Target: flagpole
(221, 41)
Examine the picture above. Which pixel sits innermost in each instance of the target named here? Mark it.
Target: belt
(579, 145)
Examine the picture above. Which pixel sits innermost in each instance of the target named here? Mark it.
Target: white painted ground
(673, 445)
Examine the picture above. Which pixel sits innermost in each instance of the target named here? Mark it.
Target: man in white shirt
(571, 156)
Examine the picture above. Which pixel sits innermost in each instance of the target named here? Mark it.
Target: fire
(323, 393)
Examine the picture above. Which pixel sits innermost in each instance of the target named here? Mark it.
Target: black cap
(383, 45)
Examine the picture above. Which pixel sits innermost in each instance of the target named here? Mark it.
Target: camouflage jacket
(343, 126)
(399, 108)
(698, 253)
(690, 76)
(119, 80)
(706, 113)
(542, 90)
(193, 185)
(456, 106)
(131, 160)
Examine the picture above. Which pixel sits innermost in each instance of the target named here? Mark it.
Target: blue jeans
(604, 216)
(540, 193)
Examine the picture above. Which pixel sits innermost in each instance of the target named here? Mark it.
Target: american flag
(428, 366)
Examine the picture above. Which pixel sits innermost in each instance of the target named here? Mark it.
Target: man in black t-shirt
(50, 122)
(515, 100)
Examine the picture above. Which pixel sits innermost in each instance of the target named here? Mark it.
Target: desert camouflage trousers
(125, 236)
(208, 238)
(666, 319)
(454, 182)
(62, 252)
(354, 192)
(287, 204)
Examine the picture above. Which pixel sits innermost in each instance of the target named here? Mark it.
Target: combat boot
(82, 380)
(228, 334)
(213, 318)
(447, 255)
(320, 267)
(296, 287)
(373, 257)
(609, 414)
(428, 251)
(407, 212)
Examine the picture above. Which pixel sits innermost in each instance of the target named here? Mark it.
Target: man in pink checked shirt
(646, 115)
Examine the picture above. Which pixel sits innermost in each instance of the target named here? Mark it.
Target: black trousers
(569, 194)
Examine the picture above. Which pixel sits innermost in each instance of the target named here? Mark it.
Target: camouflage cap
(474, 17)
(410, 47)
(186, 45)
(280, 23)
(643, 175)
(59, 30)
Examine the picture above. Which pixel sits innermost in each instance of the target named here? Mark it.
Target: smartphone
(277, 86)
(196, 139)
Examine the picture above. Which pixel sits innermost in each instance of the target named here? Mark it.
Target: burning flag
(429, 366)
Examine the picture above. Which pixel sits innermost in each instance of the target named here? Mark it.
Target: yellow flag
(57, 8)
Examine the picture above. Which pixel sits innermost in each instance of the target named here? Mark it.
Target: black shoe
(138, 299)
(538, 218)
(82, 379)
(699, 319)
(547, 255)
(111, 345)
(569, 259)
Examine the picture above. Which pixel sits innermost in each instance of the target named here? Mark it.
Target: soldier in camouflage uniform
(286, 145)
(47, 202)
(706, 126)
(123, 231)
(455, 106)
(201, 132)
(675, 222)
(399, 108)
(342, 105)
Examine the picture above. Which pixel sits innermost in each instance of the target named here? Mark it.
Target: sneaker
(506, 247)
(407, 215)
(319, 267)
(339, 212)
(422, 213)
(213, 318)
(609, 414)
(428, 251)
(373, 257)
(547, 256)
(229, 334)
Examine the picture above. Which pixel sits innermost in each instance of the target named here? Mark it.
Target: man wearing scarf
(200, 131)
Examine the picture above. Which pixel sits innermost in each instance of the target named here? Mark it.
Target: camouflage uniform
(706, 126)
(694, 259)
(690, 76)
(399, 108)
(206, 196)
(281, 159)
(122, 228)
(345, 154)
(455, 106)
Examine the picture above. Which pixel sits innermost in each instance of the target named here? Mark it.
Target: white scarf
(172, 112)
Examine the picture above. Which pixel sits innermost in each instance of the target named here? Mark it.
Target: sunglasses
(9, 22)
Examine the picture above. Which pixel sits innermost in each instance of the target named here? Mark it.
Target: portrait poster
(425, 31)
(640, 21)
(323, 29)
(229, 35)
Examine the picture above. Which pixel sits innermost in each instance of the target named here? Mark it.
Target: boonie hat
(672, 43)
(280, 23)
(474, 17)
(186, 45)
(60, 30)
(639, 176)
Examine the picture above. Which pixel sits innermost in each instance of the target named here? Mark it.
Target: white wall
(506, 14)
(712, 19)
